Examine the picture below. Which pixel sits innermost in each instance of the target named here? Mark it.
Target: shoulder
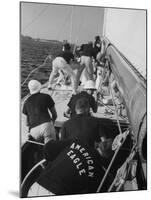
(46, 96)
(94, 119)
(28, 99)
(74, 96)
(41, 95)
(70, 54)
(80, 95)
(83, 93)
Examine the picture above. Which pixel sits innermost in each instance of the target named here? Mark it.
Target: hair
(78, 52)
(97, 37)
(67, 46)
(82, 106)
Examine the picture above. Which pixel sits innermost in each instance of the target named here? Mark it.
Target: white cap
(90, 85)
(34, 86)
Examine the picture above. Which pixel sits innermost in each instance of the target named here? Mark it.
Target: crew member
(36, 109)
(88, 92)
(86, 66)
(63, 62)
(82, 125)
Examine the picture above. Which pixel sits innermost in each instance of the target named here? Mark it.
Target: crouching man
(36, 110)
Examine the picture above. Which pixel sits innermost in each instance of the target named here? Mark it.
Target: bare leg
(53, 73)
(89, 66)
(67, 69)
(78, 75)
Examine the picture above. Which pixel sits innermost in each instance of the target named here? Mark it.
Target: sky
(61, 22)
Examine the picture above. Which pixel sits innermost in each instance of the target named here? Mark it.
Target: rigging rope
(78, 33)
(33, 71)
(71, 25)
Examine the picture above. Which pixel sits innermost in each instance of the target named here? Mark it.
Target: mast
(104, 22)
(71, 24)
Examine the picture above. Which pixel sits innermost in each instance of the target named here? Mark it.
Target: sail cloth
(132, 88)
(126, 29)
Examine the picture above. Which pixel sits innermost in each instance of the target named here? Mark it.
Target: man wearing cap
(36, 109)
(88, 92)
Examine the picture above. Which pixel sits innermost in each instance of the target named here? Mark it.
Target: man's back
(67, 55)
(85, 128)
(77, 169)
(36, 108)
(87, 50)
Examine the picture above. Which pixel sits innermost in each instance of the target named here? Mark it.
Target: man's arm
(26, 120)
(53, 113)
(94, 105)
(26, 123)
(51, 107)
(67, 113)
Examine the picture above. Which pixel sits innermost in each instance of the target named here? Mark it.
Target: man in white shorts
(63, 62)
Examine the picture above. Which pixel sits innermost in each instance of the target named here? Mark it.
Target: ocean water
(33, 53)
